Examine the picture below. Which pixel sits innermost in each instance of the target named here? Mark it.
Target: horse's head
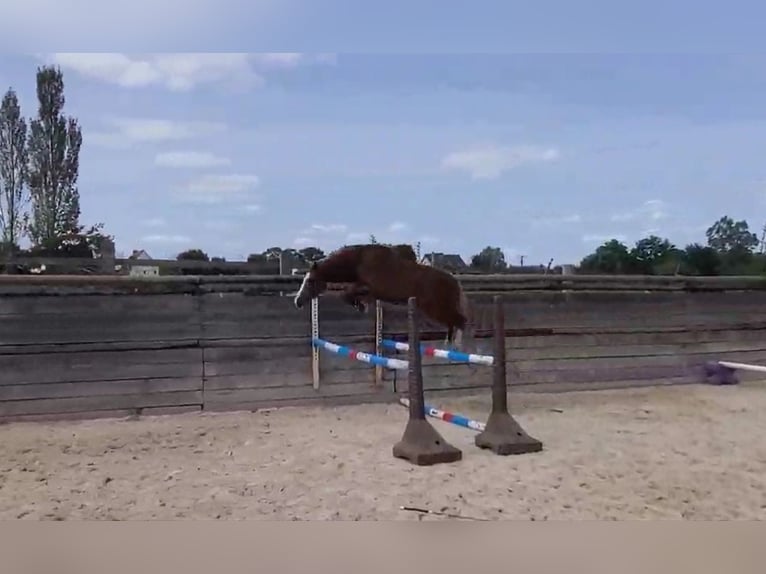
(311, 287)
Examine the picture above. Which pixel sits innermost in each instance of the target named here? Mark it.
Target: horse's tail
(468, 330)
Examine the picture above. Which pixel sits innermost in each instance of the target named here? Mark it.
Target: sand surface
(691, 452)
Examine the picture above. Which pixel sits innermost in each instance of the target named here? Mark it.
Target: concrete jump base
(503, 436)
(422, 444)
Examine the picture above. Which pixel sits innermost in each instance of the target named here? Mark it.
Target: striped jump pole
(377, 360)
(448, 417)
(428, 351)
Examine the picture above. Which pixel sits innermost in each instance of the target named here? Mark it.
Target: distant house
(141, 269)
(446, 261)
(140, 254)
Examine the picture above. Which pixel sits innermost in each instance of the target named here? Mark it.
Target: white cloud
(650, 211)
(329, 228)
(217, 188)
(126, 132)
(428, 240)
(252, 208)
(655, 209)
(489, 162)
(217, 224)
(190, 159)
(178, 71)
(513, 255)
(290, 59)
(357, 237)
(597, 238)
(557, 220)
(625, 216)
(397, 226)
(154, 222)
(303, 241)
(159, 238)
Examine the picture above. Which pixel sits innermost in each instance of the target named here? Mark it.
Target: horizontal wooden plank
(105, 402)
(102, 414)
(433, 395)
(570, 376)
(257, 368)
(256, 350)
(164, 411)
(297, 377)
(472, 282)
(645, 338)
(97, 346)
(318, 401)
(69, 416)
(514, 354)
(98, 388)
(254, 395)
(94, 305)
(691, 359)
(16, 330)
(100, 366)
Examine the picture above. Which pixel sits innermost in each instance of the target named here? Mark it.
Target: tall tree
(272, 253)
(613, 256)
(702, 260)
(192, 255)
(310, 254)
(54, 152)
(727, 236)
(652, 253)
(13, 170)
(490, 259)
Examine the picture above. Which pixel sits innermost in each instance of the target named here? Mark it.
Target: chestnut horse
(356, 295)
(391, 275)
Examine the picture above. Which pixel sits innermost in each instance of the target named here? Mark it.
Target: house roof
(452, 260)
(139, 254)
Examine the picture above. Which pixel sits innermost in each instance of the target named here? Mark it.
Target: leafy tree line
(307, 254)
(730, 249)
(39, 170)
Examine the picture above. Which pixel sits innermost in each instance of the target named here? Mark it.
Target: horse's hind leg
(354, 296)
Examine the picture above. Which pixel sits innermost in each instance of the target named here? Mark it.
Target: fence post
(378, 341)
(315, 335)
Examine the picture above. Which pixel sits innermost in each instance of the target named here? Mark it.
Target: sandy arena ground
(693, 452)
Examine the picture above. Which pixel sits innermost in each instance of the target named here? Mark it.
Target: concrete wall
(104, 346)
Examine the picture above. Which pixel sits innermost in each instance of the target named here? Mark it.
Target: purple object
(720, 374)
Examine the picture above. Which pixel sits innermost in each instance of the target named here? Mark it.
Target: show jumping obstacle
(360, 355)
(501, 434)
(451, 355)
(421, 443)
(449, 417)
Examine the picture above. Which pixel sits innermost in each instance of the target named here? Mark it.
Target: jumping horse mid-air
(393, 275)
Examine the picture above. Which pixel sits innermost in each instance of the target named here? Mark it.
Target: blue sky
(544, 155)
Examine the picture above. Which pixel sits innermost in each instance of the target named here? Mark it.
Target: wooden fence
(73, 346)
